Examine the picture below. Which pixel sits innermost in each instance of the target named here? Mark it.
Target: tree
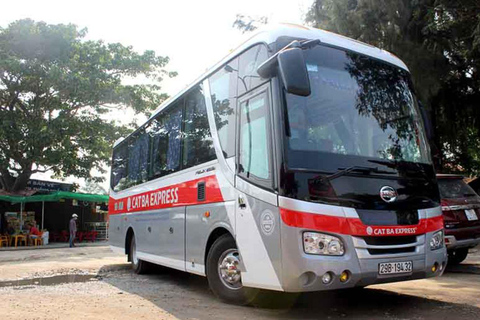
(57, 92)
(93, 187)
(439, 40)
(248, 23)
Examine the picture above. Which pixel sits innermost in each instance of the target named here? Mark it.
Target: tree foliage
(57, 94)
(93, 188)
(248, 23)
(439, 40)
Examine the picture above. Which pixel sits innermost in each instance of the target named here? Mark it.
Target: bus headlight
(437, 240)
(324, 244)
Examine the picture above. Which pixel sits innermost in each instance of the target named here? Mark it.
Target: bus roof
(271, 33)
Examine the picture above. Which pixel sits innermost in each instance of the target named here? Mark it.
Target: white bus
(298, 163)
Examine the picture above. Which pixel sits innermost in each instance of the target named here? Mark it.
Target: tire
(457, 256)
(139, 266)
(228, 288)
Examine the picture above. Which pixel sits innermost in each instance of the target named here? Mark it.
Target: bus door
(256, 215)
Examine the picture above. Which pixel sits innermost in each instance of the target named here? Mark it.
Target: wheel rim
(228, 269)
(134, 253)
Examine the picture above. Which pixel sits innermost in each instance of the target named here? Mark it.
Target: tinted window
(165, 135)
(138, 158)
(248, 64)
(223, 88)
(455, 188)
(197, 143)
(254, 144)
(359, 107)
(119, 168)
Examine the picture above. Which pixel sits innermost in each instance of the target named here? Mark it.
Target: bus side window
(119, 168)
(247, 70)
(165, 133)
(138, 158)
(197, 141)
(254, 149)
(223, 90)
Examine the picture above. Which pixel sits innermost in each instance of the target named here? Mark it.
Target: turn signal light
(435, 267)
(344, 276)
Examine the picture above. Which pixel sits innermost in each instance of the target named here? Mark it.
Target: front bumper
(303, 272)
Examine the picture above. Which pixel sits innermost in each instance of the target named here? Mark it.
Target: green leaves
(59, 93)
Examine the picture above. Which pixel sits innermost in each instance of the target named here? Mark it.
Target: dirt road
(94, 283)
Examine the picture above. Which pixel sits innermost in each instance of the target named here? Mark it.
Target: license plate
(471, 215)
(395, 267)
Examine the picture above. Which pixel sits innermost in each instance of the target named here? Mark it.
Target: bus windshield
(359, 108)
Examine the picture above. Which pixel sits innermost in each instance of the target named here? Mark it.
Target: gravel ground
(107, 289)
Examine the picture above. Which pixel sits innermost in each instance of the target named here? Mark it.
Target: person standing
(73, 229)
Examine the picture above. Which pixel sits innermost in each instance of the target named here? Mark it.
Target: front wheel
(457, 256)
(139, 266)
(224, 274)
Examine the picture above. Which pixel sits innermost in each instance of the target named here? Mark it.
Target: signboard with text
(41, 185)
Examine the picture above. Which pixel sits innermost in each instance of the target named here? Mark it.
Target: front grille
(388, 217)
(389, 241)
(391, 251)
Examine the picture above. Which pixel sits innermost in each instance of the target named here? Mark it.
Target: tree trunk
(14, 184)
(435, 143)
(6, 180)
(21, 181)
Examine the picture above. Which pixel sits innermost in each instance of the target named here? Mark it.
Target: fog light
(327, 278)
(435, 267)
(344, 276)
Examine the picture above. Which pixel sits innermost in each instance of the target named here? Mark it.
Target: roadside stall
(51, 212)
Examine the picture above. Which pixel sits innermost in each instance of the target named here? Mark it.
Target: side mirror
(289, 64)
(293, 71)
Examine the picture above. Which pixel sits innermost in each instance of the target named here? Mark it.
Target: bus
(300, 162)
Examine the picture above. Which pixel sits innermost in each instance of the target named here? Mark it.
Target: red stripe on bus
(354, 226)
(176, 195)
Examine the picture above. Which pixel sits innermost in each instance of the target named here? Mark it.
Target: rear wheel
(139, 266)
(223, 272)
(457, 256)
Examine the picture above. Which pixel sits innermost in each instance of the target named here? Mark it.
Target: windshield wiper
(364, 170)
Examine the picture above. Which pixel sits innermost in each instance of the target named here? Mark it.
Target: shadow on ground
(187, 296)
(470, 268)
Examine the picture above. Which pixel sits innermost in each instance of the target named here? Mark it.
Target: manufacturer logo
(369, 230)
(267, 222)
(388, 194)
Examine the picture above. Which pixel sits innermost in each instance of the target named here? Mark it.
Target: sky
(193, 34)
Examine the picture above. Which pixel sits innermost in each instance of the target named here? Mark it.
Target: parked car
(475, 184)
(461, 213)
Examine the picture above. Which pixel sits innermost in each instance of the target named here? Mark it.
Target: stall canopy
(55, 196)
